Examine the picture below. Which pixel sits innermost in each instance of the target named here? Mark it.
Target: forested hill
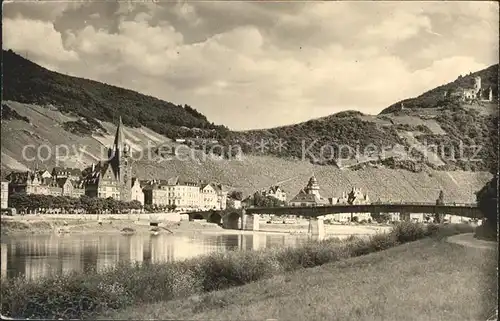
(27, 82)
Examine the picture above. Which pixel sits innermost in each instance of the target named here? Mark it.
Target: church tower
(477, 84)
(119, 159)
(313, 187)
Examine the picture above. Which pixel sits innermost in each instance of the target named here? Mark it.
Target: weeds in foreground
(87, 294)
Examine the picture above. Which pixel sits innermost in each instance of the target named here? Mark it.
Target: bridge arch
(197, 216)
(215, 218)
(231, 221)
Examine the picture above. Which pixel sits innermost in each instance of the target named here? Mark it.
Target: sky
(260, 64)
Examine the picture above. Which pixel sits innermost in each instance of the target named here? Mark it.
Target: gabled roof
(214, 186)
(173, 180)
(217, 187)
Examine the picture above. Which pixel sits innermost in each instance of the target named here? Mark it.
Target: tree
(237, 195)
(487, 201)
(381, 217)
(135, 204)
(438, 217)
(19, 201)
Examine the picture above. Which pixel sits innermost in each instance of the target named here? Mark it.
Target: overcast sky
(255, 65)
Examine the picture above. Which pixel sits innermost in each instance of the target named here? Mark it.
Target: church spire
(119, 143)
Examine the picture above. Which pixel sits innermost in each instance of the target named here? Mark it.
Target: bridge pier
(250, 222)
(317, 227)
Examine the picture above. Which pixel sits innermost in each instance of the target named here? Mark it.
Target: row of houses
(69, 182)
(61, 182)
(184, 194)
(113, 178)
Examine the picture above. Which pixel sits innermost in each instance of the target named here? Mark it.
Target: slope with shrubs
(77, 296)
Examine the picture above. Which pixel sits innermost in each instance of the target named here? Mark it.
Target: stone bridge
(248, 219)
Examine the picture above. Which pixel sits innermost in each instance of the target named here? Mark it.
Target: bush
(408, 232)
(88, 294)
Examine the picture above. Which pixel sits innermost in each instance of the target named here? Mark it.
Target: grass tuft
(88, 294)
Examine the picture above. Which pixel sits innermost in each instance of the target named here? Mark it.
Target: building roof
(219, 188)
(303, 197)
(71, 171)
(173, 180)
(61, 181)
(274, 188)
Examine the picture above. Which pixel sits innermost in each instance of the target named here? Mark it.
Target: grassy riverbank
(423, 280)
(89, 294)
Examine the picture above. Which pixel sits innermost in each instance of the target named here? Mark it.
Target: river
(35, 256)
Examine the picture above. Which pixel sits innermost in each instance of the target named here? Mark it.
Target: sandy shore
(44, 224)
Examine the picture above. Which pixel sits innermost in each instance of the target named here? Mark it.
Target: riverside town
(249, 160)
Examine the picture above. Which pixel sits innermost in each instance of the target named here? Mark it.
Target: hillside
(395, 138)
(247, 174)
(44, 108)
(429, 129)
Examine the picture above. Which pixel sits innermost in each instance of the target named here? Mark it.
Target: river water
(35, 256)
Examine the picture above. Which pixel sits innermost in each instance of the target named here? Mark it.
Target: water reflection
(35, 256)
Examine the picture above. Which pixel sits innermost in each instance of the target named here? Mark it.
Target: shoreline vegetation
(90, 294)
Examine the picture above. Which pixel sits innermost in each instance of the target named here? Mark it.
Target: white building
(209, 197)
(136, 191)
(309, 195)
(276, 192)
(233, 203)
(358, 198)
(5, 193)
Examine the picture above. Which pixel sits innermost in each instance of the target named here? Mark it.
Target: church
(113, 176)
(309, 196)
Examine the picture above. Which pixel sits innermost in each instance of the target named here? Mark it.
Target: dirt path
(469, 241)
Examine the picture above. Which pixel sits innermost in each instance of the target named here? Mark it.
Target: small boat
(127, 231)
(155, 233)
